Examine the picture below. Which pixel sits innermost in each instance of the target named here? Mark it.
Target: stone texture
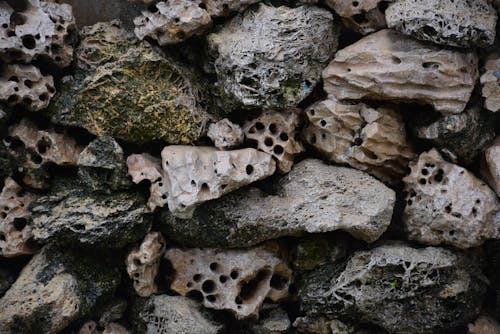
(143, 263)
(399, 288)
(276, 133)
(55, 289)
(316, 250)
(461, 23)
(490, 81)
(369, 139)
(126, 89)
(388, 65)
(491, 165)
(362, 16)
(447, 204)
(37, 30)
(225, 134)
(312, 198)
(91, 327)
(484, 325)
(272, 57)
(272, 321)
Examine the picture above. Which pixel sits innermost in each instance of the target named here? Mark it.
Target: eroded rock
(490, 80)
(363, 16)
(225, 134)
(491, 165)
(388, 65)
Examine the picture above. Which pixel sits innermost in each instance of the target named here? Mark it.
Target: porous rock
(363, 16)
(234, 280)
(491, 165)
(143, 263)
(260, 63)
(225, 134)
(447, 204)
(490, 80)
(369, 139)
(388, 65)
(313, 198)
(399, 288)
(459, 23)
(484, 325)
(125, 89)
(276, 133)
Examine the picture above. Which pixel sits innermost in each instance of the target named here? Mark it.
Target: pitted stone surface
(225, 134)
(363, 16)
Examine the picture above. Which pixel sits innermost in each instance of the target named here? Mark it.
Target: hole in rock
(278, 149)
(29, 42)
(197, 278)
(360, 18)
(272, 128)
(268, 141)
(20, 223)
(259, 126)
(195, 295)
(214, 266)
(278, 282)
(249, 169)
(223, 279)
(234, 274)
(252, 287)
(212, 298)
(431, 65)
(284, 136)
(208, 286)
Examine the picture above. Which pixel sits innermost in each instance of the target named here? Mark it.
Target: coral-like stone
(369, 139)
(491, 165)
(225, 134)
(388, 65)
(490, 81)
(447, 204)
(363, 16)
(235, 280)
(484, 325)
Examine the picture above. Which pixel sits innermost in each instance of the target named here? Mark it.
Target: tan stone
(388, 65)
(490, 81)
(225, 134)
(490, 166)
(363, 16)
(484, 325)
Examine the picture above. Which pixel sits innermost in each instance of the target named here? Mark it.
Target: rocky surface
(490, 80)
(484, 325)
(225, 134)
(491, 168)
(363, 16)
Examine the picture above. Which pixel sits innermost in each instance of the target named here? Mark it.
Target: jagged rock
(24, 85)
(484, 325)
(368, 139)
(126, 89)
(465, 135)
(199, 174)
(143, 263)
(461, 23)
(276, 133)
(363, 16)
(490, 80)
(15, 232)
(225, 134)
(91, 327)
(491, 165)
(312, 198)
(399, 288)
(164, 314)
(388, 65)
(447, 204)
(55, 289)
(37, 30)
(272, 57)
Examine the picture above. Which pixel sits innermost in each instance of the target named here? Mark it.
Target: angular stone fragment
(447, 204)
(225, 134)
(388, 65)
(125, 89)
(369, 139)
(272, 57)
(276, 133)
(24, 85)
(234, 280)
(491, 165)
(363, 16)
(490, 80)
(199, 174)
(143, 263)
(312, 198)
(484, 325)
(461, 23)
(399, 288)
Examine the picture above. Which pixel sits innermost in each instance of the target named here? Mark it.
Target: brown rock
(363, 16)
(484, 325)
(490, 81)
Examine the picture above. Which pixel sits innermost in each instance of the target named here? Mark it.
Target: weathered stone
(91, 327)
(368, 139)
(321, 325)
(363, 16)
(484, 325)
(388, 65)
(461, 23)
(234, 280)
(312, 198)
(272, 321)
(225, 134)
(272, 57)
(491, 165)
(55, 289)
(447, 204)
(490, 80)
(126, 89)
(399, 288)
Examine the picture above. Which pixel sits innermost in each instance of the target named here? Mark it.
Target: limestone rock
(490, 80)
(24, 85)
(199, 174)
(143, 263)
(362, 16)
(484, 325)
(312, 198)
(15, 232)
(459, 23)
(272, 57)
(37, 30)
(388, 65)
(225, 134)
(91, 327)
(276, 133)
(125, 89)
(55, 289)
(234, 280)
(399, 288)
(447, 204)
(491, 165)
(368, 139)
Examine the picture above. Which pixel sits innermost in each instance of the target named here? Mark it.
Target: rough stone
(461, 23)
(225, 134)
(388, 65)
(321, 325)
(484, 325)
(143, 263)
(276, 133)
(125, 89)
(272, 321)
(272, 57)
(312, 198)
(490, 80)
(447, 204)
(369, 139)
(362, 16)
(234, 280)
(91, 327)
(491, 165)
(399, 288)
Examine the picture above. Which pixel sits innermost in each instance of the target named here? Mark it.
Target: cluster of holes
(26, 87)
(361, 18)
